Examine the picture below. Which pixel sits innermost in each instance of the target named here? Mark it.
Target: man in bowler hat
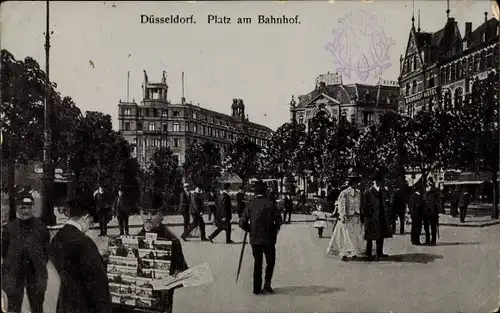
(25, 253)
(376, 216)
(84, 281)
(263, 220)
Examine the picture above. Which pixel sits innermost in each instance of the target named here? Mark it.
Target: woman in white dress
(347, 238)
(321, 219)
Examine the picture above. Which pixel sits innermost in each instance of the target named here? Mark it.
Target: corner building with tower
(156, 122)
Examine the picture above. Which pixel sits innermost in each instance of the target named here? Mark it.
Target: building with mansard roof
(360, 104)
(441, 65)
(157, 122)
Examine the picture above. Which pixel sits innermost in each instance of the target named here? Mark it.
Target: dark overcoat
(376, 228)
(223, 212)
(415, 205)
(196, 204)
(84, 282)
(184, 203)
(431, 204)
(262, 219)
(29, 238)
(288, 204)
(240, 202)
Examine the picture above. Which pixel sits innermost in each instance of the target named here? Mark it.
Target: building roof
(440, 42)
(488, 28)
(344, 94)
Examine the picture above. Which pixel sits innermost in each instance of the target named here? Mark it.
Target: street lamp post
(48, 172)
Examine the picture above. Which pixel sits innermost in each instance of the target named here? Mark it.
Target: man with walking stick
(262, 220)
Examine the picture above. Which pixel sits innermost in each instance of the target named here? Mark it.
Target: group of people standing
(369, 215)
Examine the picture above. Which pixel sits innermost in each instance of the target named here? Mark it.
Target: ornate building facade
(442, 65)
(360, 104)
(157, 122)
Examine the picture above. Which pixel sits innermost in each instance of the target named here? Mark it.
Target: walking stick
(241, 255)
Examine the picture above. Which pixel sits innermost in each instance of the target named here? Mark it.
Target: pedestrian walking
(463, 203)
(347, 238)
(152, 218)
(376, 216)
(25, 253)
(212, 199)
(84, 282)
(240, 201)
(223, 215)
(122, 212)
(196, 211)
(431, 203)
(454, 201)
(321, 219)
(287, 208)
(262, 220)
(401, 196)
(415, 207)
(184, 204)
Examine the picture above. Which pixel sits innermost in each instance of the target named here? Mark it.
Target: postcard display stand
(134, 263)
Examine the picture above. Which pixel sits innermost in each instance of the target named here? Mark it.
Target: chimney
(468, 29)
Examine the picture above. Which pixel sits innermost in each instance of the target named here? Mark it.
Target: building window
(139, 125)
(164, 113)
(127, 125)
(415, 64)
(194, 115)
(165, 127)
(414, 87)
(431, 82)
(195, 128)
(176, 113)
(128, 111)
(151, 127)
(452, 69)
(367, 118)
(407, 90)
(204, 130)
(458, 98)
(176, 143)
(177, 127)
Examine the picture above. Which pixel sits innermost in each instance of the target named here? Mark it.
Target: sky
(263, 64)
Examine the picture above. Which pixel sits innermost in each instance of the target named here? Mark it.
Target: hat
(27, 199)
(79, 206)
(260, 187)
(378, 175)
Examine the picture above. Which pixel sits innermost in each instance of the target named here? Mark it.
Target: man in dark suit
(25, 253)
(84, 282)
(152, 223)
(431, 204)
(240, 201)
(376, 216)
(263, 220)
(184, 205)
(103, 210)
(196, 211)
(401, 196)
(463, 202)
(288, 208)
(416, 210)
(123, 207)
(223, 215)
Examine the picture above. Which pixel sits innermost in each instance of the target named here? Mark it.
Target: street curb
(481, 225)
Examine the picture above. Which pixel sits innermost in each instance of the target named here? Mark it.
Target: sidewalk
(177, 220)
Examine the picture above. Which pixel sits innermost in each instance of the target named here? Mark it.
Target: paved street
(461, 274)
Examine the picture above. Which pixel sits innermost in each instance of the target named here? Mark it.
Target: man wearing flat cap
(25, 253)
(376, 217)
(84, 281)
(263, 220)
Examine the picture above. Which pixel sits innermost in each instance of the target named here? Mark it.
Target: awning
(467, 182)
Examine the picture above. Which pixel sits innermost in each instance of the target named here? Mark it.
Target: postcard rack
(134, 263)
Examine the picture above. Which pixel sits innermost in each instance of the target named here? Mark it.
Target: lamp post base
(48, 216)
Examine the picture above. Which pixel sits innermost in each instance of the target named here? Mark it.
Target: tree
(202, 165)
(161, 179)
(301, 159)
(22, 87)
(277, 155)
(242, 159)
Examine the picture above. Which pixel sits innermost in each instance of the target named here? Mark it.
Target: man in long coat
(262, 220)
(240, 201)
(84, 282)
(25, 253)
(123, 206)
(196, 211)
(401, 196)
(376, 216)
(415, 206)
(464, 200)
(223, 215)
(287, 208)
(431, 204)
(184, 205)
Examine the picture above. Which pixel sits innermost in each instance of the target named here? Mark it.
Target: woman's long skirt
(347, 238)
